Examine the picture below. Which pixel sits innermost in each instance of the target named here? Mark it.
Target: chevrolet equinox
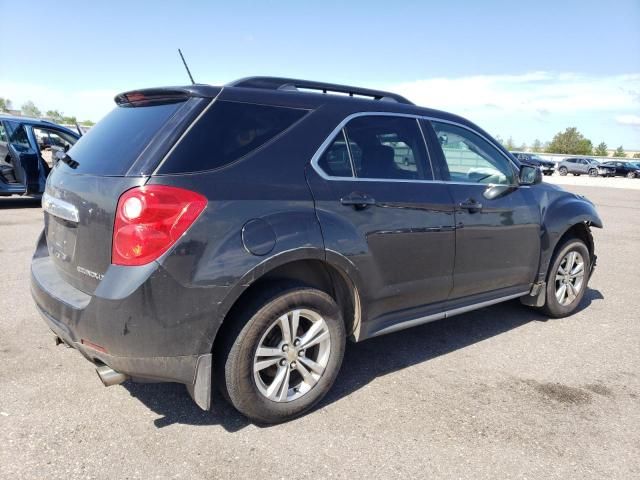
(236, 236)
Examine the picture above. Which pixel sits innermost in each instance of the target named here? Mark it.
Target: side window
(3, 134)
(388, 147)
(335, 160)
(18, 136)
(228, 132)
(470, 158)
(50, 141)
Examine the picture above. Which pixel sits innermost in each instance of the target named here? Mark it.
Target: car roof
(34, 121)
(297, 93)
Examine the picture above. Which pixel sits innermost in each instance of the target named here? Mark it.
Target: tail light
(150, 219)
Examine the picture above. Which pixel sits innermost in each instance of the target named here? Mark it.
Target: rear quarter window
(227, 132)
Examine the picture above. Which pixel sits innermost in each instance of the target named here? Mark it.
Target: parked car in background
(587, 166)
(623, 169)
(240, 234)
(546, 166)
(28, 150)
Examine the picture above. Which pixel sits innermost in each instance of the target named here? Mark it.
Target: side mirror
(529, 175)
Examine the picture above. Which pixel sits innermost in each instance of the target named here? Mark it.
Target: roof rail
(292, 84)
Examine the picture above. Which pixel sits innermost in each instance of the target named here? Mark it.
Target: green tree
(88, 123)
(69, 120)
(636, 155)
(30, 109)
(570, 142)
(601, 150)
(619, 152)
(536, 146)
(510, 145)
(500, 140)
(54, 115)
(5, 104)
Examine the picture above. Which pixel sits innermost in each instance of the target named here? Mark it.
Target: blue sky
(519, 69)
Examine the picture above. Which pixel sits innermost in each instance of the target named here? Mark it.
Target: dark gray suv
(237, 236)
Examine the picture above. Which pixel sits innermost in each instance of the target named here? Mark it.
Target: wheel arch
(305, 266)
(567, 217)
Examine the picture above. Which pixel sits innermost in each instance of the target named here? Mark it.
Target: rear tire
(294, 373)
(566, 280)
(563, 171)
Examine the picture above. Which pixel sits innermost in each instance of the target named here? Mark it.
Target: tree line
(29, 109)
(569, 142)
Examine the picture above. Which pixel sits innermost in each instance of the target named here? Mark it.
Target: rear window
(228, 131)
(116, 141)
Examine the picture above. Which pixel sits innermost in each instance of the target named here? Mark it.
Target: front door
(497, 221)
(379, 208)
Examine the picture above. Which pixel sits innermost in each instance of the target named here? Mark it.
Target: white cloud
(631, 120)
(536, 92)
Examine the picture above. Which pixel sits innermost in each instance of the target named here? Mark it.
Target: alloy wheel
(569, 279)
(292, 355)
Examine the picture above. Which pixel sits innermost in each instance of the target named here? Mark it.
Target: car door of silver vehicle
(497, 221)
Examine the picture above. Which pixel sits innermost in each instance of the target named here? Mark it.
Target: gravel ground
(499, 393)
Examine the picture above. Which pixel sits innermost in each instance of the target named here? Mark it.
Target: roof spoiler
(149, 96)
(292, 84)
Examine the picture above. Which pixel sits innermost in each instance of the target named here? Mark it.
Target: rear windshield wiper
(69, 161)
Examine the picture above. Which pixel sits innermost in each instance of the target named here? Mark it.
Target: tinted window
(3, 134)
(114, 143)
(470, 158)
(335, 160)
(226, 132)
(18, 136)
(387, 147)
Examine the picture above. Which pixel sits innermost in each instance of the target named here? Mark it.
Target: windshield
(592, 161)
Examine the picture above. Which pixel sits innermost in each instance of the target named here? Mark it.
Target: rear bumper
(140, 322)
(180, 369)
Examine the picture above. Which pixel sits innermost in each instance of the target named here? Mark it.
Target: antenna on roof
(186, 66)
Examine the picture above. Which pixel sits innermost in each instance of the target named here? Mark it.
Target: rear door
(378, 206)
(497, 222)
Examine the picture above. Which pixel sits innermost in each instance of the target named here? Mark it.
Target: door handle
(358, 201)
(470, 205)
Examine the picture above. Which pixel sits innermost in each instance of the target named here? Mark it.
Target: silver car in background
(588, 166)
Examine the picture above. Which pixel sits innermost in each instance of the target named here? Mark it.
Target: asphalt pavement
(503, 392)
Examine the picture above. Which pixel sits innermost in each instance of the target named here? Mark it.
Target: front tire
(286, 355)
(567, 279)
(563, 171)
(593, 172)
(631, 175)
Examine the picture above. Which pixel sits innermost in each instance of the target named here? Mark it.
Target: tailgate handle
(59, 208)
